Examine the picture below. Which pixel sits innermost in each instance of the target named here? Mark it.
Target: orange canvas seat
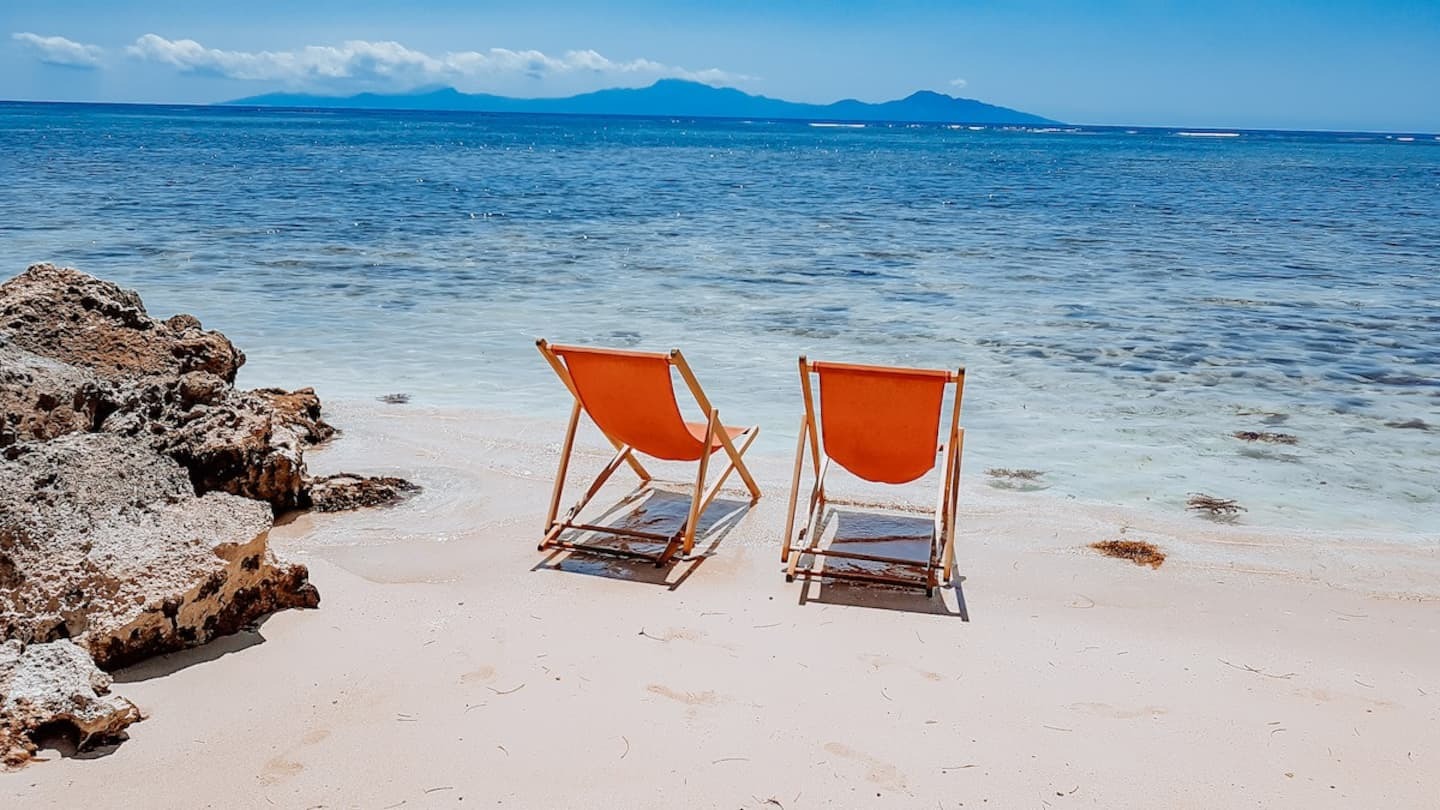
(882, 424)
(697, 429)
(630, 396)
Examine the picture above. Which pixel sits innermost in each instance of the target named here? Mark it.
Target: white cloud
(958, 83)
(391, 65)
(61, 51)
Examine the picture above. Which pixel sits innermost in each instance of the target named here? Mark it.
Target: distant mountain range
(672, 97)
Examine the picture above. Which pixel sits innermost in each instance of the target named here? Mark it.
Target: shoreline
(535, 441)
(451, 663)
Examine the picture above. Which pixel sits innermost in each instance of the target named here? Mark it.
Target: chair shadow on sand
(659, 511)
(884, 534)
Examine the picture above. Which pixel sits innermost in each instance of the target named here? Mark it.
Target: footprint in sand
(282, 767)
(482, 675)
(1322, 695)
(706, 698)
(279, 768)
(877, 771)
(1106, 710)
(876, 662)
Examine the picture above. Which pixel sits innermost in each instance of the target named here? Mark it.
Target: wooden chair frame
(933, 572)
(683, 538)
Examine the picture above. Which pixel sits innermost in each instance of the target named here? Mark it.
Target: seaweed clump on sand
(1140, 552)
(1266, 437)
(1024, 479)
(1213, 507)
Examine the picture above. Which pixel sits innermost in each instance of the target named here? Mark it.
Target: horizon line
(231, 105)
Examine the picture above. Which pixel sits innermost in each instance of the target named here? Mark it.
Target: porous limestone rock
(105, 542)
(55, 686)
(41, 398)
(67, 315)
(169, 383)
(240, 442)
(345, 491)
(81, 354)
(137, 490)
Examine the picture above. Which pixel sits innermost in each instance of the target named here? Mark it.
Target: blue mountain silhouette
(671, 97)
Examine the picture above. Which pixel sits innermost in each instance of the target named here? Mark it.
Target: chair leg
(678, 360)
(729, 468)
(794, 490)
(793, 564)
(952, 502)
(559, 489)
(817, 495)
(737, 460)
(699, 496)
(812, 523)
(558, 525)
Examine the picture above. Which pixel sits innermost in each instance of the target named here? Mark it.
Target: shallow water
(1123, 301)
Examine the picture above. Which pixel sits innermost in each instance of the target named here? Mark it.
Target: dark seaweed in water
(1014, 475)
(1022, 479)
(1268, 438)
(1215, 508)
(1411, 424)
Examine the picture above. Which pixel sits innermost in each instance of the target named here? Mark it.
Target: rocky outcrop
(343, 491)
(81, 354)
(55, 687)
(137, 490)
(105, 543)
(80, 320)
(238, 442)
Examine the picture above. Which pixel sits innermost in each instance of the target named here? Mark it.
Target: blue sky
(1322, 65)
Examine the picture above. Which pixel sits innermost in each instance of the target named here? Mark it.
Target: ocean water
(1123, 300)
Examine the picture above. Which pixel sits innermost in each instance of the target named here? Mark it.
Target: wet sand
(450, 664)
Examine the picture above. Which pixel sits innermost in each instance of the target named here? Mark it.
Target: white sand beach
(297, 298)
(451, 665)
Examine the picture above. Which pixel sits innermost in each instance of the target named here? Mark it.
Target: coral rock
(345, 491)
(55, 686)
(80, 354)
(137, 491)
(41, 398)
(78, 319)
(105, 542)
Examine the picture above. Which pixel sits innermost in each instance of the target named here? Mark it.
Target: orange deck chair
(883, 425)
(630, 396)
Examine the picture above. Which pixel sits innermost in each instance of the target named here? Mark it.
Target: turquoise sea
(1124, 300)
